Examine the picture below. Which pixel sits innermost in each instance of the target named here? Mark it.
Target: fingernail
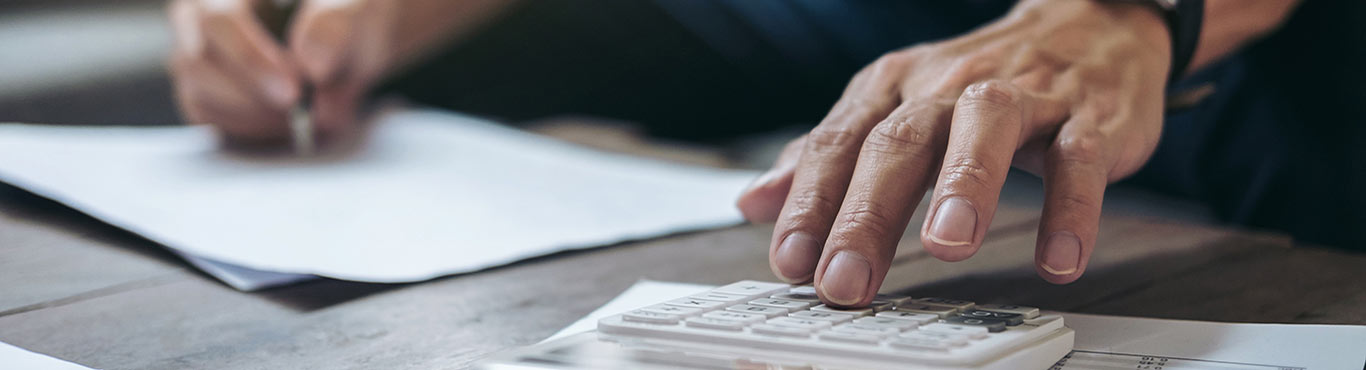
(1061, 253)
(763, 179)
(955, 223)
(796, 257)
(846, 278)
(280, 91)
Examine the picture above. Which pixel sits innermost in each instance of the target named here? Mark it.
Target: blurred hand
(231, 73)
(1068, 90)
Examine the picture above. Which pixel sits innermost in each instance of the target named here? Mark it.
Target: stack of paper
(430, 194)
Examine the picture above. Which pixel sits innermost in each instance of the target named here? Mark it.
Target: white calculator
(762, 325)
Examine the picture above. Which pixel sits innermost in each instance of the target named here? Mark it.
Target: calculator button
(793, 322)
(749, 288)
(781, 303)
(883, 321)
(881, 305)
(834, 318)
(718, 324)
(992, 325)
(672, 310)
(651, 317)
(695, 303)
(895, 299)
(761, 310)
(955, 303)
(747, 318)
(1011, 319)
(951, 339)
(798, 297)
(856, 312)
(920, 344)
(805, 289)
(941, 311)
(722, 297)
(835, 336)
(778, 330)
(867, 329)
(974, 332)
(1027, 312)
(918, 318)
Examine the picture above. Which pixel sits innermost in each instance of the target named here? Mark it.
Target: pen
(300, 118)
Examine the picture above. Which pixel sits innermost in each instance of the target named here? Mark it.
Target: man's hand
(1071, 90)
(231, 73)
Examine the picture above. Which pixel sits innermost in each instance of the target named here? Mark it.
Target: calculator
(764, 325)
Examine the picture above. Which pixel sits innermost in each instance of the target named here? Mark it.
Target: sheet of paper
(431, 194)
(1113, 342)
(12, 357)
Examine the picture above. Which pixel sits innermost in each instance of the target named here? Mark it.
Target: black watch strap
(1184, 20)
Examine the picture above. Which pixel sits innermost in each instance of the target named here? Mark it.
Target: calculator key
(794, 322)
(805, 289)
(781, 303)
(750, 288)
(856, 312)
(672, 310)
(895, 299)
(832, 317)
(1011, 319)
(941, 311)
(881, 305)
(718, 324)
(812, 298)
(722, 297)
(695, 303)
(1027, 312)
(867, 329)
(992, 325)
(883, 321)
(778, 330)
(761, 310)
(918, 318)
(955, 303)
(920, 344)
(974, 332)
(651, 317)
(835, 336)
(747, 318)
(951, 339)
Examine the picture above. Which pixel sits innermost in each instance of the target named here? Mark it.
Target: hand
(1069, 90)
(231, 73)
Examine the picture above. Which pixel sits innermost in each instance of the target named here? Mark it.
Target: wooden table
(83, 291)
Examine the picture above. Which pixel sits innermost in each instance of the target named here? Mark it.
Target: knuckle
(992, 93)
(902, 131)
(867, 219)
(1072, 202)
(1087, 147)
(812, 206)
(968, 171)
(826, 139)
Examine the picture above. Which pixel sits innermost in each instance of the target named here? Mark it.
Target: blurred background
(85, 62)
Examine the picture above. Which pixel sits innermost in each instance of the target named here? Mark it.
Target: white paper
(431, 194)
(12, 357)
(1114, 342)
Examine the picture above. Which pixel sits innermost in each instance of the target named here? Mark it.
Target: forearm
(1229, 24)
(428, 24)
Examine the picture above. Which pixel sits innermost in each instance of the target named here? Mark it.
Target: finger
(238, 41)
(894, 165)
(207, 94)
(991, 120)
(762, 200)
(823, 170)
(334, 111)
(1076, 174)
(323, 36)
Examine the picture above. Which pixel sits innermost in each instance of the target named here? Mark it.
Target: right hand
(230, 72)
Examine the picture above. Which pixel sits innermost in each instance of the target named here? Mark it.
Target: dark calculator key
(992, 325)
(1011, 319)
